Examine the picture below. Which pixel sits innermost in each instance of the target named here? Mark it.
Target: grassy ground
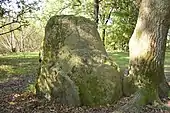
(24, 64)
(17, 77)
(17, 73)
(121, 58)
(17, 64)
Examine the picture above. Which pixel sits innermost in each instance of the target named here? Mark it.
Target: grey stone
(75, 68)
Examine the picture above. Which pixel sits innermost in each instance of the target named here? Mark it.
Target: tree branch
(65, 7)
(11, 30)
(9, 23)
(100, 1)
(109, 15)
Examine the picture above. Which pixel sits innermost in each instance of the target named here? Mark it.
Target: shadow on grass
(17, 72)
(17, 65)
(16, 68)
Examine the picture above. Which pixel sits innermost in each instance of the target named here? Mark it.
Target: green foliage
(69, 7)
(121, 23)
(31, 88)
(117, 18)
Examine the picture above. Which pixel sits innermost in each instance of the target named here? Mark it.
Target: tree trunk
(103, 35)
(105, 24)
(103, 29)
(147, 47)
(13, 43)
(96, 11)
(147, 50)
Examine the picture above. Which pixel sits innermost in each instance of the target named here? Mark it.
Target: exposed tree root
(163, 89)
(130, 107)
(161, 105)
(138, 101)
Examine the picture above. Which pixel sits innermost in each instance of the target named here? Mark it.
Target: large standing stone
(75, 68)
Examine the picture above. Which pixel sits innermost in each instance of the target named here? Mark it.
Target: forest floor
(17, 93)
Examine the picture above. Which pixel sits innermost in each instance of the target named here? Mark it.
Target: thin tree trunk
(12, 37)
(22, 41)
(96, 11)
(103, 35)
(105, 24)
(13, 42)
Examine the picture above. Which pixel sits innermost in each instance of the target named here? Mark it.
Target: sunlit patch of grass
(167, 66)
(167, 57)
(7, 68)
(121, 58)
(20, 55)
(31, 88)
(5, 71)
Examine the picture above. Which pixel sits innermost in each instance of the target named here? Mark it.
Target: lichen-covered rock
(75, 68)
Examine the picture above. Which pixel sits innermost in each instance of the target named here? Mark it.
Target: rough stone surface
(75, 68)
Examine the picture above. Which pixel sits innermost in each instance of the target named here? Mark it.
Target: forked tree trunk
(147, 49)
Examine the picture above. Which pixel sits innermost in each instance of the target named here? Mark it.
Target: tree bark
(13, 42)
(147, 50)
(96, 11)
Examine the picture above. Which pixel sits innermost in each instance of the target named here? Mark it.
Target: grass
(17, 64)
(21, 64)
(167, 58)
(121, 58)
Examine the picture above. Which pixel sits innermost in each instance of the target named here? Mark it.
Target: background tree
(96, 11)
(15, 16)
(116, 19)
(16, 11)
